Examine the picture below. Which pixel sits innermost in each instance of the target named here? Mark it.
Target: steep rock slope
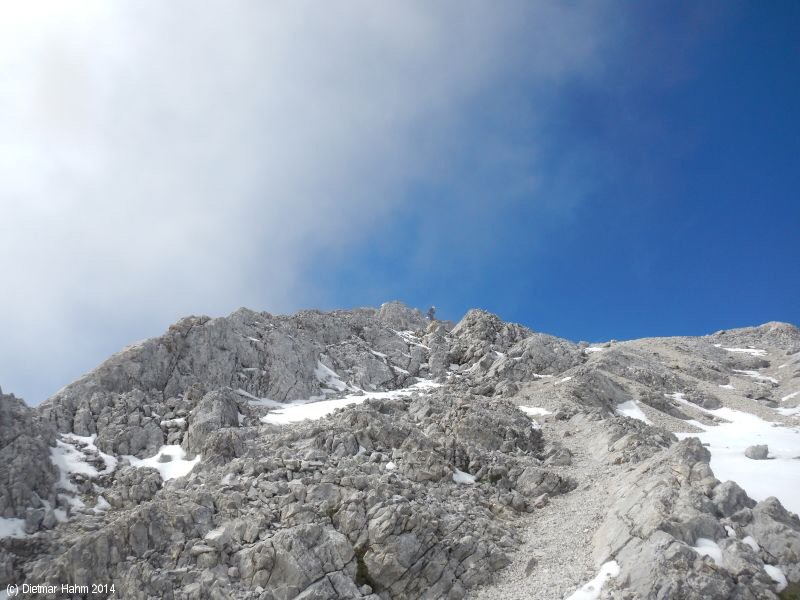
(371, 453)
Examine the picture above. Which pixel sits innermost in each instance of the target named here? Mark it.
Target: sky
(595, 170)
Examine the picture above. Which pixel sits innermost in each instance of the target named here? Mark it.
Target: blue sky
(595, 170)
(674, 188)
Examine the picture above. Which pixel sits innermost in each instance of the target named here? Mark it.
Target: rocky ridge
(174, 469)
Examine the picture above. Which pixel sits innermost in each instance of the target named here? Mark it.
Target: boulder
(757, 452)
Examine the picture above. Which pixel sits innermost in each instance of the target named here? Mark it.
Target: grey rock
(216, 410)
(536, 354)
(757, 452)
(26, 473)
(534, 481)
(34, 520)
(729, 498)
(558, 456)
(777, 532)
(481, 334)
(531, 566)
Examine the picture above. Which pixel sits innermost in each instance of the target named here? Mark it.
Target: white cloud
(159, 159)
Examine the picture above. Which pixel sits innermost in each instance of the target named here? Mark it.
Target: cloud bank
(163, 159)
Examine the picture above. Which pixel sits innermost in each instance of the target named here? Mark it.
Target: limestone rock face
(536, 354)
(26, 473)
(260, 354)
(216, 410)
(400, 317)
(375, 453)
(480, 334)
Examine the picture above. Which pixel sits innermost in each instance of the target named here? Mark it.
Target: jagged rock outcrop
(217, 410)
(537, 354)
(400, 317)
(482, 335)
(280, 358)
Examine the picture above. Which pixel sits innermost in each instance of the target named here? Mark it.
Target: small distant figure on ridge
(432, 313)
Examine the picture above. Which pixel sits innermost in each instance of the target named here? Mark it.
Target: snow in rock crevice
(170, 461)
(708, 547)
(10, 527)
(751, 351)
(631, 409)
(591, 590)
(463, 478)
(303, 410)
(755, 375)
(777, 575)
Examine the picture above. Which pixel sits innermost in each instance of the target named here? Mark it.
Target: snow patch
(707, 547)
(631, 409)
(463, 478)
(727, 387)
(70, 460)
(776, 574)
(390, 466)
(790, 396)
(176, 464)
(12, 528)
(730, 531)
(756, 375)
(329, 378)
(750, 541)
(750, 351)
(303, 410)
(727, 442)
(534, 411)
(88, 441)
(591, 590)
(101, 505)
(564, 380)
(409, 337)
(591, 349)
(256, 401)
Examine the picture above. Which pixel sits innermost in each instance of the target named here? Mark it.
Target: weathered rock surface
(162, 471)
(26, 473)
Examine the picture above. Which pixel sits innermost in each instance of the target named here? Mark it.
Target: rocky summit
(375, 453)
